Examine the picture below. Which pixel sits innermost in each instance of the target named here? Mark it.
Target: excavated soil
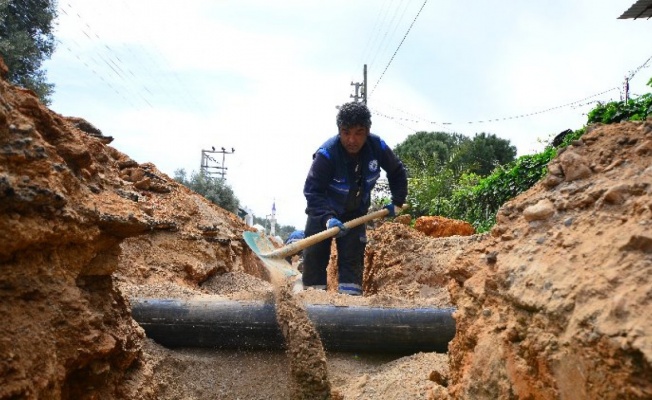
(554, 303)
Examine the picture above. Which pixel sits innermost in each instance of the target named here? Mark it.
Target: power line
(110, 59)
(574, 104)
(387, 22)
(96, 73)
(384, 41)
(396, 25)
(399, 46)
(418, 120)
(415, 118)
(189, 98)
(394, 120)
(142, 83)
(631, 75)
(372, 36)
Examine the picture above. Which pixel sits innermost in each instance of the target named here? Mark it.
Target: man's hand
(393, 210)
(332, 222)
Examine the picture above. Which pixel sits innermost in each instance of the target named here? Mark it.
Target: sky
(168, 79)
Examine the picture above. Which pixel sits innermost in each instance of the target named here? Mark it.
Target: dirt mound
(402, 262)
(554, 303)
(557, 303)
(74, 214)
(437, 226)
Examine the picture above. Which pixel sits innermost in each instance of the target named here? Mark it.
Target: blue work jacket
(331, 178)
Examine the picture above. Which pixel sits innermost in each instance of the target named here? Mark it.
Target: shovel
(274, 259)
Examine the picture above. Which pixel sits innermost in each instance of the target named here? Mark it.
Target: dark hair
(353, 114)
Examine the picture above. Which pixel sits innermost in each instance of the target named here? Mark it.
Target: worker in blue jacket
(338, 188)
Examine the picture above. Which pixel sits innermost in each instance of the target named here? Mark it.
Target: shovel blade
(262, 246)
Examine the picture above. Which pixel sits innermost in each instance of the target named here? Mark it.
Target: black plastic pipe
(252, 325)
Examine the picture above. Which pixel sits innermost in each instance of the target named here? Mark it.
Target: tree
(284, 231)
(26, 40)
(214, 189)
(482, 154)
(436, 161)
(428, 150)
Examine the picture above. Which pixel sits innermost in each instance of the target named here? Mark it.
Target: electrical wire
(399, 46)
(374, 30)
(575, 104)
(110, 62)
(92, 69)
(384, 29)
(636, 71)
(188, 97)
(384, 41)
(395, 28)
(142, 84)
(420, 120)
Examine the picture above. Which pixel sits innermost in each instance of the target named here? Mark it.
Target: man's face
(353, 138)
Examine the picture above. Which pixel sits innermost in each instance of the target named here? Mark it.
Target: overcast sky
(167, 79)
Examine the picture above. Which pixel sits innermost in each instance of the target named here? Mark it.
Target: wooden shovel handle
(294, 248)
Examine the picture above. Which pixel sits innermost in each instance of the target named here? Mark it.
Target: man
(338, 189)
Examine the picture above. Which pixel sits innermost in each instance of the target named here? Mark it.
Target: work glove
(393, 210)
(332, 222)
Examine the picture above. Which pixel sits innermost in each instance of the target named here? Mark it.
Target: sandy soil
(554, 303)
(296, 373)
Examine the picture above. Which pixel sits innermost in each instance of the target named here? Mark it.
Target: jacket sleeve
(319, 177)
(396, 175)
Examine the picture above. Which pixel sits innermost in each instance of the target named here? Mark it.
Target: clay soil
(554, 303)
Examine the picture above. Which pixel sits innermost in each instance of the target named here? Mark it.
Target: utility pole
(208, 163)
(207, 160)
(360, 88)
(357, 95)
(364, 85)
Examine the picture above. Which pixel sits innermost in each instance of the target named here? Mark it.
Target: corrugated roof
(640, 9)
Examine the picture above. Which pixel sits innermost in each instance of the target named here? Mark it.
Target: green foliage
(477, 200)
(284, 231)
(636, 109)
(428, 149)
(26, 40)
(478, 203)
(430, 152)
(482, 154)
(459, 189)
(212, 188)
(434, 174)
(380, 195)
(568, 139)
(427, 193)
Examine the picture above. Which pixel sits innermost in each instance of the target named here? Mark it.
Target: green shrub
(478, 203)
(212, 188)
(476, 199)
(636, 109)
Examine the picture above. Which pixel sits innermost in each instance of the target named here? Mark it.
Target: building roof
(640, 9)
